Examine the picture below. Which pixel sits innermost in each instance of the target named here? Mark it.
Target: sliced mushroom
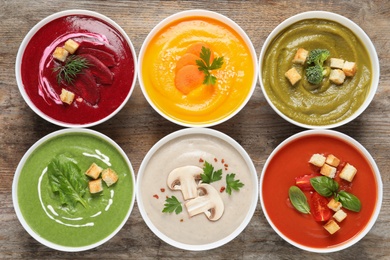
(208, 202)
(186, 179)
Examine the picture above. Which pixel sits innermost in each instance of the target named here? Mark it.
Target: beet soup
(99, 89)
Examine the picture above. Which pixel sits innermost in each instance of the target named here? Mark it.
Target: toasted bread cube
(336, 63)
(95, 186)
(317, 159)
(328, 170)
(349, 68)
(60, 54)
(67, 96)
(71, 46)
(340, 215)
(109, 176)
(293, 76)
(300, 56)
(94, 171)
(337, 76)
(332, 160)
(348, 172)
(334, 205)
(331, 226)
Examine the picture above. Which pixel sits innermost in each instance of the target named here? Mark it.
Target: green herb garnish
(68, 71)
(298, 200)
(67, 181)
(172, 205)
(231, 183)
(209, 175)
(204, 65)
(349, 201)
(325, 186)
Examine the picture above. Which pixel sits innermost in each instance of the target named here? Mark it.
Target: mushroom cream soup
(185, 157)
(205, 103)
(327, 103)
(82, 225)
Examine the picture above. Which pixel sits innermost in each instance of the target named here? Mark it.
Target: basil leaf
(67, 180)
(298, 200)
(325, 186)
(349, 201)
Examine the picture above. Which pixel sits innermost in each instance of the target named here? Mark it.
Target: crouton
(71, 46)
(293, 76)
(94, 171)
(336, 63)
(109, 176)
(332, 160)
(300, 56)
(331, 226)
(317, 160)
(340, 215)
(95, 186)
(67, 96)
(349, 68)
(348, 172)
(328, 170)
(60, 54)
(337, 76)
(334, 205)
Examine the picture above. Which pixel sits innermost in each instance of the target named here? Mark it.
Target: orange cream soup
(205, 104)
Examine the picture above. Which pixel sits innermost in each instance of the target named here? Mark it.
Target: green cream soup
(325, 103)
(77, 226)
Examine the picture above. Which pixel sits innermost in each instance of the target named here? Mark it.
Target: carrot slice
(186, 59)
(196, 49)
(188, 78)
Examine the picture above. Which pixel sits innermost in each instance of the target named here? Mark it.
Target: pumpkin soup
(216, 74)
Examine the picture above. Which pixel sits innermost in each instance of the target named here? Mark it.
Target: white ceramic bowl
(37, 206)
(195, 146)
(291, 159)
(357, 31)
(191, 113)
(46, 98)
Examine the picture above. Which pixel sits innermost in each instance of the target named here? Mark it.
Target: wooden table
(137, 127)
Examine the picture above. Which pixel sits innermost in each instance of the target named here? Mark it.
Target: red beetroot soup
(102, 93)
(290, 162)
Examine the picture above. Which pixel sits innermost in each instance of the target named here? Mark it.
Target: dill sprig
(69, 70)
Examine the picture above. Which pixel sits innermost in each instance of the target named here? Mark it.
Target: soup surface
(82, 226)
(327, 103)
(207, 103)
(291, 162)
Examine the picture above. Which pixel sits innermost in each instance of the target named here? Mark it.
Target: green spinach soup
(326, 102)
(54, 196)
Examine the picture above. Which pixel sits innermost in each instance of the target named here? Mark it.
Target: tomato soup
(40, 82)
(207, 103)
(290, 162)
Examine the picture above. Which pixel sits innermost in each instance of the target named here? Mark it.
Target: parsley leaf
(204, 65)
(67, 181)
(172, 205)
(209, 175)
(231, 183)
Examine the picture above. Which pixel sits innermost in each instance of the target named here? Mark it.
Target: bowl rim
(198, 13)
(189, 132)
(359, 33)
(20, 166)
(350, 141)
(36, 28)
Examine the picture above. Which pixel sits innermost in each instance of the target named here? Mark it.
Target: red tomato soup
(291, 162)
(93, 101)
